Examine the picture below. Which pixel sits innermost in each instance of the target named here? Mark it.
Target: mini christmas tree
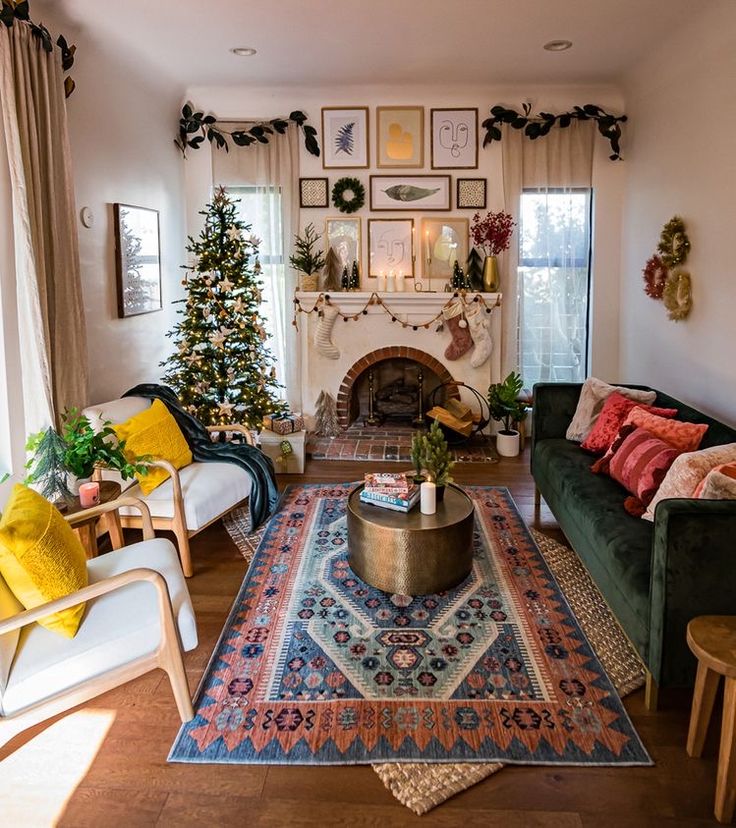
(325, 415)
(223, 369)
(47, 468)
(354, 277)
(331, 272)
(436, 458)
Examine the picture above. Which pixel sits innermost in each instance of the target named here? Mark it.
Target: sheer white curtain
(266, 179)
(547, 188)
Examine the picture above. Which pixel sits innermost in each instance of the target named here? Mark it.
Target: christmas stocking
(323, 333)
(461, 341)
(478, 321)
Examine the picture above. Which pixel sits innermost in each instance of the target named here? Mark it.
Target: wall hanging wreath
(348, 195)
(655, 275)
(678, 296)
(674, 244)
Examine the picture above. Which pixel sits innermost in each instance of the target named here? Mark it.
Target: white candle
(381, 282)
(428, 498)
(400, 281)
(391, 282)
(426, 244)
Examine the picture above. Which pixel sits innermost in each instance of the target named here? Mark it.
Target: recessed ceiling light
(558, 45)
(243, 51)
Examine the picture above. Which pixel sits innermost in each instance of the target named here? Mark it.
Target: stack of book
(389, 490)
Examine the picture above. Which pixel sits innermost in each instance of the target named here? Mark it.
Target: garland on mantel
(12, 11)
(195, 126)
(537, 126)
(375, 299)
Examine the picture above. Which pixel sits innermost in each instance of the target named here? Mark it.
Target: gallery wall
(680, 160)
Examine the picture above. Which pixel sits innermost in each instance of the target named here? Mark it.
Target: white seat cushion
(117, 628)
(209, 490)
(116, 411)
(9, 606)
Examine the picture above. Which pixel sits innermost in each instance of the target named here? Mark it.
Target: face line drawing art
(393, 249)
(453, 137)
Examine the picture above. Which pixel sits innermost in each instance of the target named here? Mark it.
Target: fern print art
(345, 139)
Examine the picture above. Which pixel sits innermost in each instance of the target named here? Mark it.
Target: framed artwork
(454, 139)
(410, 192)
(313, 192)
(400, 136)
(344, 237)
(391, 246)
(444, 242)
(137, 260)
(344, 137)
(471, 194)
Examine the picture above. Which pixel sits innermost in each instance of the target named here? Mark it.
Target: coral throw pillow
(684, 436)
(639, 464)
(592, 397)
(615, 410)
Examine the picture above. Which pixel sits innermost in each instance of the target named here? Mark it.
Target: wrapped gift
(284, 423)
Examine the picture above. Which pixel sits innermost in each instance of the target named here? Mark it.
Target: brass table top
(411, 553)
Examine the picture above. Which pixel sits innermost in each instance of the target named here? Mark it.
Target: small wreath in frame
(655, 275)
(348, 195)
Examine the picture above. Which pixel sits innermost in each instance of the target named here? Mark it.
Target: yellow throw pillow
(41, 558)
(154, 432)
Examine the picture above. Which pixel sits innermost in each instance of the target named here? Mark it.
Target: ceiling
(341, 42)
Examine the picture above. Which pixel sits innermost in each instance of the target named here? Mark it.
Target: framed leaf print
(344, 137)
(137, 260)
(410, 192)
(454, 139)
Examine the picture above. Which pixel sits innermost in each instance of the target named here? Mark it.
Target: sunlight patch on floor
(38, 779)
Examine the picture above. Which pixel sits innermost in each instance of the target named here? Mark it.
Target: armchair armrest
(236, 428)
(553, 409)
(692, 574)
(110, 584)
(112, 505)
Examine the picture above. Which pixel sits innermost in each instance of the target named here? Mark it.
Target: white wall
(681, 160)
(608, 177)
(122, 124)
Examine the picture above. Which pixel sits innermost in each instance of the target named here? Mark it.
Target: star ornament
(225, 409)
(217, 338)
(226, 285)
(234, 233)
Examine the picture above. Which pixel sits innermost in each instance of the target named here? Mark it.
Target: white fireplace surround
(375, 330)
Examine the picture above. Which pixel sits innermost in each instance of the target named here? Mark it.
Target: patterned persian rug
(315, 667)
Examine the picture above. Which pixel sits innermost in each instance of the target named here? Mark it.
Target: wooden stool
(712, 639)
(87, 530)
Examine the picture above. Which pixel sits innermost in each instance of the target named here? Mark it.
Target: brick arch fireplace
(344, 395)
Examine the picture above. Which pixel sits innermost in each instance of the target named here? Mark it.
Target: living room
(440, 258)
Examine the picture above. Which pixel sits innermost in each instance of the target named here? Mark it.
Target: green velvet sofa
(655, 577)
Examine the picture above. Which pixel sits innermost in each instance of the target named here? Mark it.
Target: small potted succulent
(308, 259)
(506, 408)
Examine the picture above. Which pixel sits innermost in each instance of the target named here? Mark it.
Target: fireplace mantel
(407, 302)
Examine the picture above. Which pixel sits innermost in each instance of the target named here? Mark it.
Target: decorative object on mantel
(445, 245)
(354, 277)
(493, 234)
(344, 279)
(195, 126)
(12, 12)
(348, 195)
(674, 245)
(454, 314)
(331, 271)
(470, 193)
(537, 126)
(506, 408)
(220, 334)
(323, 332)
(655, 275)
(474, 269)
(313, 192)
(678, 296)
(308, 260)
(325, 415)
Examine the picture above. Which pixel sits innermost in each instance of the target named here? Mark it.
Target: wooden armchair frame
(168, 656)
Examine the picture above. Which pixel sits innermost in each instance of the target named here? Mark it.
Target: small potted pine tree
(308, 259)
(506, 408)
(436, 458)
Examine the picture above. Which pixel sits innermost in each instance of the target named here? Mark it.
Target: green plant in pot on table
(506, 408)
(436, 458)
(308, 259)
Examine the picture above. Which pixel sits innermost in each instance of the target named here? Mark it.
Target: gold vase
(491, 279)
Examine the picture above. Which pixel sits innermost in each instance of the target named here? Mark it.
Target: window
(554, 285)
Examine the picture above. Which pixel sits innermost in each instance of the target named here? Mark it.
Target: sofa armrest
(693, 573)
(553, 409)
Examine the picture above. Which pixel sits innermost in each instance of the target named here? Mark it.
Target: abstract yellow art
(400, 136)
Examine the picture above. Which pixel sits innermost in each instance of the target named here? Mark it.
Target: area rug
(314, 667)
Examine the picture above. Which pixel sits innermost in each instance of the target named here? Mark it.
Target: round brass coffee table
(411, 554)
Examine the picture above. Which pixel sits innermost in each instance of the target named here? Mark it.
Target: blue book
(387, 502)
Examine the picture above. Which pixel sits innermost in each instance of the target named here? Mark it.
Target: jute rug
(423, 786)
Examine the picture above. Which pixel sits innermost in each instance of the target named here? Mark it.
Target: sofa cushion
(117, 628)
(720, 483)
(612, 416)
(593, 395)
(9, 606)
(209, 489)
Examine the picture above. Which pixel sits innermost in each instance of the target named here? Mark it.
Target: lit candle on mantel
(391, 282)
(428, 498)
(381, 282)
(400, 282)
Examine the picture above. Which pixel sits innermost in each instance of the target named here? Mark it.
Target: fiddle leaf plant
(504, 403)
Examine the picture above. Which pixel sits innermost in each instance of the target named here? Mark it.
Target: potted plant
(61, 462)
(506, 408)
(417, 456)
(436, 458)
(493, 235)
(308, 259)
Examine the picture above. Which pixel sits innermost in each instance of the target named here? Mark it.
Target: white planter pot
(507, 443)
(73, 483)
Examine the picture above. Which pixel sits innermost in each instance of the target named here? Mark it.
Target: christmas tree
(223, 368)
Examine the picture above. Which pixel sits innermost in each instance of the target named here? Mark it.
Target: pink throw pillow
(681, 435)
(614, 412)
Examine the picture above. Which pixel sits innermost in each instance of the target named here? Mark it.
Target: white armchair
(193, 497)
(138, 617)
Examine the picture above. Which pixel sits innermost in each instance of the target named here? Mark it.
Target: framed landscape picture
(344, 137)
(454, 139)
(444, 241)
(410, 192)
(391, 246)
(343, 236)
(137, 260)
(400, 136)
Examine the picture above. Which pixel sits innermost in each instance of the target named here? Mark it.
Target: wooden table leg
(706, 685)
(726, 779)
(87, 534)
(115, 529)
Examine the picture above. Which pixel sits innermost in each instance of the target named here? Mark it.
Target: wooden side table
(87, 530)
(712, 639)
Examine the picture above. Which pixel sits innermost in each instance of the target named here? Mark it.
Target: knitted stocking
(461, 341)
(323, 333)
(478, 322)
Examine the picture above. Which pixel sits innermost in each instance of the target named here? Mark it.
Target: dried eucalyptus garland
(348, 195)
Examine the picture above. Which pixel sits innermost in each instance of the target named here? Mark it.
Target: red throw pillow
(639, 463)
(615, 410)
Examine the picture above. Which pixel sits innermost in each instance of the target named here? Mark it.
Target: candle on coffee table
(428, 498)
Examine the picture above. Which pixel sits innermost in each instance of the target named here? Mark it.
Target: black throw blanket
(264, 494)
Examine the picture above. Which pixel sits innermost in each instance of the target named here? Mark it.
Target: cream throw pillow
(718, 486)
(688, 470)
(594, 393)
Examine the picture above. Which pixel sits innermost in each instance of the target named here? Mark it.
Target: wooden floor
(129, 783)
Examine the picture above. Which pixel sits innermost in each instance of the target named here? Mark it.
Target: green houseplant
(308, 258)
(436, 458)
(506, 408)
